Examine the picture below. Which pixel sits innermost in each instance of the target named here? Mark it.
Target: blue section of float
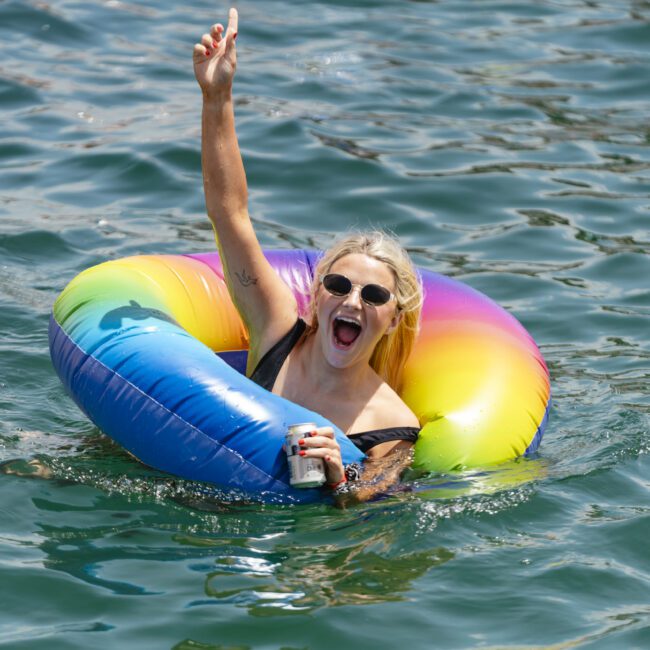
(236, 359)
(176, 406)
(537, 438)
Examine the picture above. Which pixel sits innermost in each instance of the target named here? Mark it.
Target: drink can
(304, 472)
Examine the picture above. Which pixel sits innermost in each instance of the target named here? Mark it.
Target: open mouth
(346, 331)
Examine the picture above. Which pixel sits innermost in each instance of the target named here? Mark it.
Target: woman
(345, 364)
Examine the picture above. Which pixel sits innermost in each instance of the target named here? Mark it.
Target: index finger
(327, 432)
(233, 21)
(319, 442)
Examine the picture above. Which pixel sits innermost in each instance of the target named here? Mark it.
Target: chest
(347, 411)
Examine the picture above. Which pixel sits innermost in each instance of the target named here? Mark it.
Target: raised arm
(264, 301)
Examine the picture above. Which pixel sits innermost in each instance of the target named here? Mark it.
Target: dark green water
(507, 143)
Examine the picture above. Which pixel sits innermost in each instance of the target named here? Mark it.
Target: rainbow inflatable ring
(153, 351)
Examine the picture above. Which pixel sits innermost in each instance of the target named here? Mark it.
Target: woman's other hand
(215, 58)
(321, 443)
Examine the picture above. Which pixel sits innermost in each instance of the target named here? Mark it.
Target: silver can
(304, 472)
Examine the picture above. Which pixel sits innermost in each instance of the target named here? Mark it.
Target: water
(507, 144)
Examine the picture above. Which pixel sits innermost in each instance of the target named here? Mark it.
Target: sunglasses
(372, 294)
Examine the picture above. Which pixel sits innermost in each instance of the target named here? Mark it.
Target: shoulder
(387, 409)
(391, 412)
(400, 414)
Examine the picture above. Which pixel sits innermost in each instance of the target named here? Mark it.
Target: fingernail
(214, 44)
(234, 36)
(207, 52)
(302, 452)
(328, 458)
(313, 433)
(301, 441)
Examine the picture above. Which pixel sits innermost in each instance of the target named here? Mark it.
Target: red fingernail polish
(207, 53)
(234, 36)
(301, 441)
(302, 452)
(214, 44)
(313, 433)
(327, 458)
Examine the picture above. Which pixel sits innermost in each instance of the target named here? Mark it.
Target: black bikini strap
(268, 367)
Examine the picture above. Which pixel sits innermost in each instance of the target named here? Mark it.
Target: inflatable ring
(134, 341)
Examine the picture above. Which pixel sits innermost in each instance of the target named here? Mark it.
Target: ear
(397, 319)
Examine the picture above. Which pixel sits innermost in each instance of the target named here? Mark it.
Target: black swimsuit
(266, 372)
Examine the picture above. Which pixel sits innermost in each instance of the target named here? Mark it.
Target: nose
(353, 299)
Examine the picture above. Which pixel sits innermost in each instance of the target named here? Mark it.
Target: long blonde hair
(392, 351)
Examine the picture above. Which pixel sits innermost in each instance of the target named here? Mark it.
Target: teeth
(348, 320)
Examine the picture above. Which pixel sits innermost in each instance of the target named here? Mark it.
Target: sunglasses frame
(391, 295)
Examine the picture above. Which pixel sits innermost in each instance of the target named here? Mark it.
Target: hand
(215, 58)
(321, 443)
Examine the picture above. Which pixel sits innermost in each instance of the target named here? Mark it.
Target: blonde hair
(392, 351)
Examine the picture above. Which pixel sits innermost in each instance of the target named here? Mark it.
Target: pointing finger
(233, 21)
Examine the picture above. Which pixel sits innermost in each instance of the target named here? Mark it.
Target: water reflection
(308, 578)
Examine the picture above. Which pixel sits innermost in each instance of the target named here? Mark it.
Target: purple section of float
(290, 266)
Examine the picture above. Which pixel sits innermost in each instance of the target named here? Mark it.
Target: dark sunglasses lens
(375, 294)
(337, 284)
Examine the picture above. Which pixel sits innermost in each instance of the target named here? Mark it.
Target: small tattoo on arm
(245, 279)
